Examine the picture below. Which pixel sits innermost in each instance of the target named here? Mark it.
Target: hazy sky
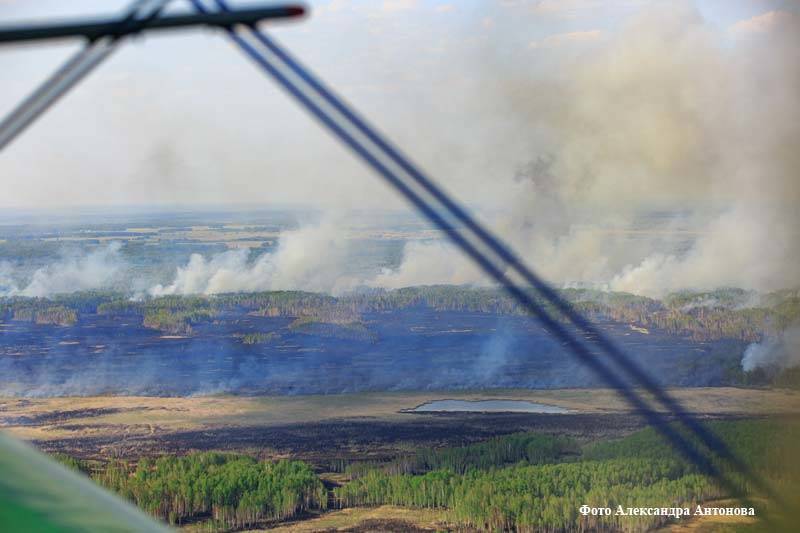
(185, 118)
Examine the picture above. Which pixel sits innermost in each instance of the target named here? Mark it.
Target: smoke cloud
(776, 352)
(95, 270)
(311, 258)
(669, 113)
(428, 263)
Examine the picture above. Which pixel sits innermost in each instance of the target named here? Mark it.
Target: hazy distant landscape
(161, 304)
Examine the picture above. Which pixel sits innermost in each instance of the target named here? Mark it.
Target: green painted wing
(37, 494)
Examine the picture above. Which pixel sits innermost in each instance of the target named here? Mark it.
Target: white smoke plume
(310, 258)
(8, 285)
(428, 263)
(95, 270)
(776, 352)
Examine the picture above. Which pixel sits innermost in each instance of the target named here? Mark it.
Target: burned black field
(348, 439)
(409, 349)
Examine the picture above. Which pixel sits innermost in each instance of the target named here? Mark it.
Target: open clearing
(383, 518)
(348, 426)
(65, 417)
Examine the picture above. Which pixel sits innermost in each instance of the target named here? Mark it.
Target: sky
(185, 119)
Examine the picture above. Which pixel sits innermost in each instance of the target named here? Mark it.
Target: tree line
(640, 470)
(529, 448)
(518, 482)
(234, 490)
(711, 315)
(537, 497)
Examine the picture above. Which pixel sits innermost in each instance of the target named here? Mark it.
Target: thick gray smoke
(776, 352)
(668, 113)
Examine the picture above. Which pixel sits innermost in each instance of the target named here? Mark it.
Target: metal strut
(103, 37)
(111, 28)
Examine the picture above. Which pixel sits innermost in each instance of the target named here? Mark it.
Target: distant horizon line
(141, 208)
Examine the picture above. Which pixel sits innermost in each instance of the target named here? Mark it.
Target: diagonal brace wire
(480, 241)
(73, 71)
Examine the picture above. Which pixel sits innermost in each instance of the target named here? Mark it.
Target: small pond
(487, 406)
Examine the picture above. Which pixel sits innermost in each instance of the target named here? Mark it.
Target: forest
(724, 313)
(531, 448)
(726, 317)
(537, 494)
(234, 490)
(520, 482)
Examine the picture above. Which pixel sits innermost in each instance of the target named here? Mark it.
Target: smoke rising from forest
(774, 353)
(93, 270)
(311, 258)
(668, 111)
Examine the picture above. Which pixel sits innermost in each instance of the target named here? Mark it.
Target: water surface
(488, 406)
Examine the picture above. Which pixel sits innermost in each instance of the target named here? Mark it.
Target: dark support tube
(111, 28)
